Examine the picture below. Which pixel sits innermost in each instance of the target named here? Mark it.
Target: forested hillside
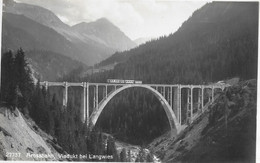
(218, 41)
(19, 92)
(49, 66)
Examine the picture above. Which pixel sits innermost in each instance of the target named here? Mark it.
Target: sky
(136, 18)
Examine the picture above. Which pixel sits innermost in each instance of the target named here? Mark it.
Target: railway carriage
(120, 81)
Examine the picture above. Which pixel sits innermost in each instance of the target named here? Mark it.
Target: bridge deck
(120, 84)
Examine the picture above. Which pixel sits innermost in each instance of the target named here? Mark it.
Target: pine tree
(37, 104)
(23, 79)
(7, 80)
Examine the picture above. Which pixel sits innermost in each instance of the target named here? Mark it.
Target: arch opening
(163, 102)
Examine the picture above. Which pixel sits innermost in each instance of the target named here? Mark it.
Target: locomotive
(120, 81)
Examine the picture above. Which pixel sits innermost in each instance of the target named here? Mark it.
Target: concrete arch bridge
(174, 99)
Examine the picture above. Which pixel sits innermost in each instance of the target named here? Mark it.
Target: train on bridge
(120, 81)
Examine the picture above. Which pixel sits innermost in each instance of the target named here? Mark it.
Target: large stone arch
(174, 124)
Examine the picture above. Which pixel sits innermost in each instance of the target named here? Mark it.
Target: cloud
(136, 18)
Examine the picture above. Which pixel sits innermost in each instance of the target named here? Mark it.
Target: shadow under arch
(174, 124)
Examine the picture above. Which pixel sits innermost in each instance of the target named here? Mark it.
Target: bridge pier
(199, 99)
(179, 103)
(96, 96)
(188, 105)
(46, 85)
(168, 95)
(176, 104)
(202, 98)
(212, 93)
(83, 103)
(65, 94)
(191, 105)
(87, 104)
(171, 97)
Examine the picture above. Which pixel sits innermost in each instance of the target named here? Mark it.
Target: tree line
(16, 81)
(18, 91)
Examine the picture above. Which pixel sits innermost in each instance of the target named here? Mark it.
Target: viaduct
(170, 96)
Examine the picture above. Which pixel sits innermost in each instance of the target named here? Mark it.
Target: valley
(195, 99)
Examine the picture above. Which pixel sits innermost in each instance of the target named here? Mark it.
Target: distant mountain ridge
(87, 48)
(36, 29)
(103, 30)
(36, 13)
(20, 31)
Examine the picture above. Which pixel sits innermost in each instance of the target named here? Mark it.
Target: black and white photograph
(129, 81)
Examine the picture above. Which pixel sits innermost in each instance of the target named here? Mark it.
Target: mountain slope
(88, 48)
(19, 31)
(38, 14)
(218, 41)
(43, 46)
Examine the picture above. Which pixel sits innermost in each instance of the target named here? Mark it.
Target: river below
(134, 151)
